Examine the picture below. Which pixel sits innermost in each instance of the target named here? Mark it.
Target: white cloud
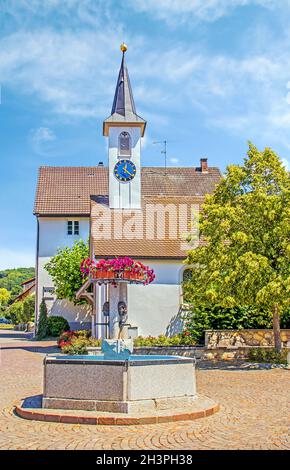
(74, 75)
(174, 161)
(176, 11)
(41, 140)
(64, 70)
(15, 259)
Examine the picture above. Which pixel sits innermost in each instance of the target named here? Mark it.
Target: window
(73, 227)
(124, 144)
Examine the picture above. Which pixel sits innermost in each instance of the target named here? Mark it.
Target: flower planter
(118, 268)
(110, 275)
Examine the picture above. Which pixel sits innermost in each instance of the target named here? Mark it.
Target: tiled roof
(67, 190)
(143, 233)
(28, 281)
(25, 293)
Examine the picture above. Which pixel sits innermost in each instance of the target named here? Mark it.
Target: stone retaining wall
(243, 338)
(186, 351)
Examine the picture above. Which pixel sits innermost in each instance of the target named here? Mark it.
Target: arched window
(125, 144)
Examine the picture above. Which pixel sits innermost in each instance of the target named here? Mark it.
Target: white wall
(154, 309)
(53, 235)
(124, 195)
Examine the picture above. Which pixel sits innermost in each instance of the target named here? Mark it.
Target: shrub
(14, 312)
(79, 345)
(67, 336)
(42, 328)
(76, 342)
(57, 325)
(216, 317)
(285, 319)
(182, 339)
(271, 356)
(28, 309)
(64, 269)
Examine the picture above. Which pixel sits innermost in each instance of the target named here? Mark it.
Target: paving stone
(254, 409)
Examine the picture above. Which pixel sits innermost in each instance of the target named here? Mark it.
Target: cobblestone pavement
(255, 410)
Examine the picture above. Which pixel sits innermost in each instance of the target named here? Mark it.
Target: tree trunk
(276, 328)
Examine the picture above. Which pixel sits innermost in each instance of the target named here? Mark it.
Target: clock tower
(124, 129)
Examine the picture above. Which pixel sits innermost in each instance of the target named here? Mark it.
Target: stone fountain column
(116, 295)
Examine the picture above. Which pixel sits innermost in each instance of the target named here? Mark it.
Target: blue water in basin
(133, 357)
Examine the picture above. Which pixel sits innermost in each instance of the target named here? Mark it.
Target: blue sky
(208, 75)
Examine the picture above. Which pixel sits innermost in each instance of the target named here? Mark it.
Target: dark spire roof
(123, 101)
(123, 109)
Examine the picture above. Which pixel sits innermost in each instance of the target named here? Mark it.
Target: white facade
(124, 195)
(153, 309)
(53, 235)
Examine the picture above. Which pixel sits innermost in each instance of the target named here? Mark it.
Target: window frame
(128, 151)
(73, 228)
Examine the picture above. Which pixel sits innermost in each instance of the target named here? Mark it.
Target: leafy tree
(245, 223)
(64, 269)
(42, 327)
(4, 298)
(11, 279)
(28, 309)
(14, 312)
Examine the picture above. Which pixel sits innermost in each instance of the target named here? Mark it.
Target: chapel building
(124, 209)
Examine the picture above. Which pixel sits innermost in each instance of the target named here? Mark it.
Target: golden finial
(123, 47)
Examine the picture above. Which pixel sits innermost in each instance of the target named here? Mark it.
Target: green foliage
(22, 311)
(64, 268)
(79, 345)
(11, 279)
(285, 319)
(216, 317)
(42, 328)
(178, 340)
(14, 312)
(56, 326)
(28, 309)
(245, 223)
(4, 296)
(271, 356)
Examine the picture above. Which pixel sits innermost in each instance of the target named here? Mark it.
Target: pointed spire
(123, 101)
(123, 109)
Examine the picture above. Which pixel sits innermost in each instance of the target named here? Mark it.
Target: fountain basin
(139, 384)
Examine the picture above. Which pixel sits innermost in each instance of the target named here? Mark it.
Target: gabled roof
(158, 230)
(26, 292)
(28, 281)
(67, 190)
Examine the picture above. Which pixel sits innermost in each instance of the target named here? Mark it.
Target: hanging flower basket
(124, 268)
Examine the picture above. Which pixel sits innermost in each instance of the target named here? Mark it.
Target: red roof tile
(67, 190)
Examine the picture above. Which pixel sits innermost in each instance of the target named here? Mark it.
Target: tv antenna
(164, 151)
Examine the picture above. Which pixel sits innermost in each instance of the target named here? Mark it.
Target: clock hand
(126, 171)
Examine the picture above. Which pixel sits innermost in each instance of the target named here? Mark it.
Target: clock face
(125, 170)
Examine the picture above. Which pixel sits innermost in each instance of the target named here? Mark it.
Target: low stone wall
(230, 339)
(186, 351)
(229, 354)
